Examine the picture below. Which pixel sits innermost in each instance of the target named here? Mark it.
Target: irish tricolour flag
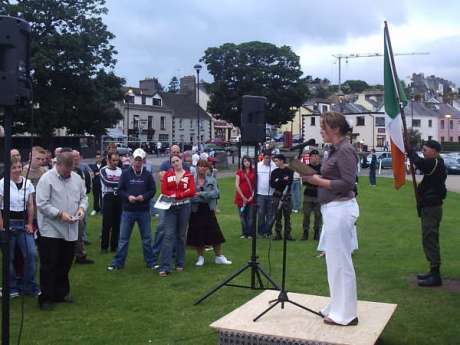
(394, 95)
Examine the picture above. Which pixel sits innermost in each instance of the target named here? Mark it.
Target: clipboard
(163, 202)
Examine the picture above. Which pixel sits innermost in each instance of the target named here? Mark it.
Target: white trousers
(338, 242)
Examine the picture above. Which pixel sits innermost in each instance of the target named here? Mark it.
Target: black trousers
(56, 257)
(97, 197)
(111, 217)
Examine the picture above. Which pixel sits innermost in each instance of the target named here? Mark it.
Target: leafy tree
(173, 85)
(415, 137)
(255, 68)
(70, 52)
(354, 86)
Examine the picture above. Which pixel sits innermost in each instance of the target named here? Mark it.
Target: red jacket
(183, 190)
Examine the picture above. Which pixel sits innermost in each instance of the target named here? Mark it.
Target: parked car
(380, 155)
(124, 150)
(452, 165)
(386, 162)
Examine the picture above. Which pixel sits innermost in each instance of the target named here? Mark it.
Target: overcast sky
(158, 38)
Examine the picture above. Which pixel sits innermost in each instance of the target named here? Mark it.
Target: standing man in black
(310, 200)
(372, 169)
(431, 191)
(97, 194)
(281, 178)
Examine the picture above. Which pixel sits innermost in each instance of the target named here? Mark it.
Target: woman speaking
(340, 212)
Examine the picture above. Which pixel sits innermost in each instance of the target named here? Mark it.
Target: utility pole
(339, 58)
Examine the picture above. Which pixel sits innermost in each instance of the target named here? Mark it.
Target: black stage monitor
(253, 119)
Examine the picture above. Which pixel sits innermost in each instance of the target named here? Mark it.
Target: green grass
(135, 306)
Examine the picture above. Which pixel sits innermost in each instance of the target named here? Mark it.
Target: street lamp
(197, 68)
(448, 116)
(128, 96)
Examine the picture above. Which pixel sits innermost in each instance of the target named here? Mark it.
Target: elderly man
(61, 203)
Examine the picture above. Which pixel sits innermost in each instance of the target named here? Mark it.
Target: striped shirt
(110, 179)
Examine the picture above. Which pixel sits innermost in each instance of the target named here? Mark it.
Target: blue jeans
(264, 214)
(175, 226)
(295, 193)
(372, 178)
(246, 218)
(26, 244)
(126, 228)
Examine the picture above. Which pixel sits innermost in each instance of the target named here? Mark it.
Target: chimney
(187, 85)
(149, 84)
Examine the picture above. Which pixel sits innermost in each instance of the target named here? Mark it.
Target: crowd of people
(49, 207)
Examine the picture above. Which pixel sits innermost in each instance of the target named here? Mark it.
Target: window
(360, 121)
(136, 121)
(162, 123)
(191, 139)
(451, 124)
(180, 124)
(129, 99)
(430, 123)
(416, 123)
(380, 141)
(313, 121)
(143, 99)
(442, 124)
(150, 122)
(458, 139)
(181, 138)
(324, 108)
(442, 139)
(380, 121)
(191, 123)
(451, 139)
(163, 137)
(156, 101)
(430, 137)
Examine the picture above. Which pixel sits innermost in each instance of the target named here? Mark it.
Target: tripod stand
(283, 295)
(253, 264)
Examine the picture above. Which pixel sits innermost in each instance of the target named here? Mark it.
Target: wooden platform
(293, 325)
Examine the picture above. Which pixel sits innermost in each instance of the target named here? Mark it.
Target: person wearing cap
(136, 188)
(281, 182)
(431, 193)
(310, 200)
(264, 195)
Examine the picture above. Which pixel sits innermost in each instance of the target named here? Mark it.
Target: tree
(173, 85)
(259, 69)
(70, 52)
(415, 137)
(354, 86)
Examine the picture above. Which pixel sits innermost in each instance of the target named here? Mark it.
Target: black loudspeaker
(253, 119)
(15, 84)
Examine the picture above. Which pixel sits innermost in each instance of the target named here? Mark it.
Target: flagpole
(403, 116)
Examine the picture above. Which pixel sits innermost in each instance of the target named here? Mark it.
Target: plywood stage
(295, 326)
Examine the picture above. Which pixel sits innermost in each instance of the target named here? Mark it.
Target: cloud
(165, 38)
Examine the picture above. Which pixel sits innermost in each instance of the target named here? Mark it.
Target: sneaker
(295, 211)
(93, 213)
(208, 248)
(14, 294)
(112, 268)
(243, 236)
(200, 261)
(222, 260)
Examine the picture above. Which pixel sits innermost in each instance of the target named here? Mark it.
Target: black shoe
(46, 306)
(432, 280)
(277, 237)
(423, 276)
(84, 261)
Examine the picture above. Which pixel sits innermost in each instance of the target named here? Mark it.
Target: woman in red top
(244, 195)
(178, 184)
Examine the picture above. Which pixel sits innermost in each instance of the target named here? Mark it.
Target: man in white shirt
(264, 195)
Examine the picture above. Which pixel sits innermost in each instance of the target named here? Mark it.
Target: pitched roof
(183, 105)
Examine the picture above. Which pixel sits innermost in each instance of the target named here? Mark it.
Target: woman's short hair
(15, 160)
(336, 120)
(202, 163)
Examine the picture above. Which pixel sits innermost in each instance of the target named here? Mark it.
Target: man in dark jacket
(310, 201)
(136, 188)
(372, 169)
(97, 193)
(431, 192)
(280, 179)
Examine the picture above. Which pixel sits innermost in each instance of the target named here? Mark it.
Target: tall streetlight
(128, 96)
(448, 116)
(197, 68)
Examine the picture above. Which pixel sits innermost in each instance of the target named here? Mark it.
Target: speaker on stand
(15, 91)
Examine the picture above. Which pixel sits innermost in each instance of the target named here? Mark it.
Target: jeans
(111, 218)
(176, 221)
(295, 193)
(26, 244)
(159, 235)
(264, 214)
(372, 178)
(127, 223)
(246, 218)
